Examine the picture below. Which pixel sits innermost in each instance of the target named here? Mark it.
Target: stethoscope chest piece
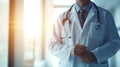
(97, 26)
(67, 19)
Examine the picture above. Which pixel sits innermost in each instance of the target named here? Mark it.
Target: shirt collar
(87, 7)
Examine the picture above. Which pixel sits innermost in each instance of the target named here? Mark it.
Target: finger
(80, 46)
(85, 60)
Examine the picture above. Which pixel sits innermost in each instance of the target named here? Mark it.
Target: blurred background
(26, 25)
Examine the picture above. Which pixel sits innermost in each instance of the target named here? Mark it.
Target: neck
(83, 3)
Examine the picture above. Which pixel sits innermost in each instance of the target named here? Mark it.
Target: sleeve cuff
(96, 54)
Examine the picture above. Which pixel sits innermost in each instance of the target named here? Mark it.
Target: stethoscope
(97, 26)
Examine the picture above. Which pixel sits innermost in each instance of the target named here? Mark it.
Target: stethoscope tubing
(67, 18)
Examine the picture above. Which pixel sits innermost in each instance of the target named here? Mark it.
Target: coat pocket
(103, 64)
(96, 33)
(95, 36)
(98, 65)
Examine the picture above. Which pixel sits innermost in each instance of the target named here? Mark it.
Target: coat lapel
(76, 27)
(75, 18)
(91, 14)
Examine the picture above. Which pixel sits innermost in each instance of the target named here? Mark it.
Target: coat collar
(91, 14)
(87, 7)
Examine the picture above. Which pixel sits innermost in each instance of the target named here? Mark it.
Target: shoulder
(106, 16)
(104, 11)
(62, 15)
(59, 19)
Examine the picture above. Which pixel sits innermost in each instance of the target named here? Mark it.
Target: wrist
(72, 52)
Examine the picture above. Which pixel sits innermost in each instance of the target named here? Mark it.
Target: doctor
(84, 36)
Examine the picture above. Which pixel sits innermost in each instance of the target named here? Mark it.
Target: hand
(88, 57)
(78, 50)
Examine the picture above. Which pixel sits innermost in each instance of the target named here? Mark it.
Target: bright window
(32, 32)
(63, 2)
(4, 20)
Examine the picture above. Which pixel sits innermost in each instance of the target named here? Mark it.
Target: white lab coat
(104, 42)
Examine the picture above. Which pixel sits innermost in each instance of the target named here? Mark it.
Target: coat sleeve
(112, 43)
(56, 47)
